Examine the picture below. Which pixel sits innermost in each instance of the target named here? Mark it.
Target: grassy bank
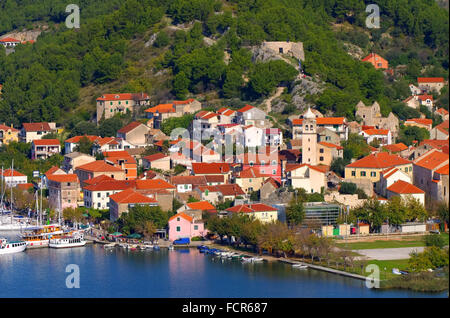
(407, 241)
(423, 282)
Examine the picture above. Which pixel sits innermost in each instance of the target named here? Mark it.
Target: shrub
(434, 240)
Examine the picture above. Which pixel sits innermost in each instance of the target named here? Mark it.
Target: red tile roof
(46, 142)
(430, 80)
(111, 185)
(9, 39)
(246, 108)
(402, 187)
(76, 139)
(424, 97)
(432, 159)
(378, 160)
(201, 205)
(370, 56)
(129, 127)
(15, 173)
(225, 189)
(273, 182)
(422, 121)
(396, 147)
(330, 145)
(442, 111)
(161, 109)
(152, 184)
(183, 215)
(52, 170)
(63, 177)
(131, 196)
(5, 127)
(183, 102)
(98, 166)
(99, 179)
(443, 170)
(210, 168)
(322, 121)
(252, 172)
(434, 143)
(124, 96)
(155, 156)
(31, 127)
(249, 208)
(295, 166)
(373, 131)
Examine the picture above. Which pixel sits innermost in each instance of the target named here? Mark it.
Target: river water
(179, 273)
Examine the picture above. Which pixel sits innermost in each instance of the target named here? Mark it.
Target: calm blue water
(179, 273)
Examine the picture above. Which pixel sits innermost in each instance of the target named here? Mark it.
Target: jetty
(323, 268)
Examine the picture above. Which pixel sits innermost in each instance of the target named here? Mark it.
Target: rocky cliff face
(303, 86)
(27, 35)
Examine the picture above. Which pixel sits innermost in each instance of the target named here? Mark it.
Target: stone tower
(309, 138)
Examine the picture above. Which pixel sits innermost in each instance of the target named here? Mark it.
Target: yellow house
(8, 134)
(262, 212)
(371, 166)
(251, 179)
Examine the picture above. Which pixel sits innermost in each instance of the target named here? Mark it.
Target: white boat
(171, 248)
(110, 245)
(67, 242)
(257, 259)
(299, 266)
(395, 271)
(39, 236)
(11, 247)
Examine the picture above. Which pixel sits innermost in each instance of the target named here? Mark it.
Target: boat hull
(68, 245)
(12, 250)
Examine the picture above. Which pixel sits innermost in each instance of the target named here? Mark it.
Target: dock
(269, 258)
(324, 269)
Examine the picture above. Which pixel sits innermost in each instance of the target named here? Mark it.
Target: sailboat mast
(40, 210)
(1, 193)
(12, 176)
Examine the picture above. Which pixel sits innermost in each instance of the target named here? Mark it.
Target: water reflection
(179, 273)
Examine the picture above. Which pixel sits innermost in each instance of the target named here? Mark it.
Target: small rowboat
(299, 266)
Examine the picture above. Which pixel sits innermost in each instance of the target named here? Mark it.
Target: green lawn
(409, 241)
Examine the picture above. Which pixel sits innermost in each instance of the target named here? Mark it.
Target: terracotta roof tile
(131, 196)
(443, 170)
(402, 187)
(183, 215)
(430, 80)
(248, 208)
(210, 168)
(29, 127)
(432, 159)
(129, 127)
(380, 160)
(123, 96)
(63, 177)
(15, 173)
(98, 166)
(46, 142)
(396, 147)
(201, 205)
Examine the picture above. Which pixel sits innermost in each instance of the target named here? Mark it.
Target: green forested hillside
(43, 81)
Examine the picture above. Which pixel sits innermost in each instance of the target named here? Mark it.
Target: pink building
(182, 225)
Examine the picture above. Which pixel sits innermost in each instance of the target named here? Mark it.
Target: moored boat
(67, 242)
(299, 266)
(39, 236)
(11, 247)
